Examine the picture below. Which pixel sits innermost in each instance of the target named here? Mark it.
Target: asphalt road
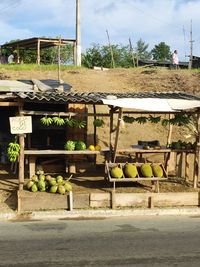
(136, 241)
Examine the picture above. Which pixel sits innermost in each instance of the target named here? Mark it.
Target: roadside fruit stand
(60, 123)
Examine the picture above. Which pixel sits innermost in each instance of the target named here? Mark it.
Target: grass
(31, 67)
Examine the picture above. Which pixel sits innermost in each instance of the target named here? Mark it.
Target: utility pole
(191, 47)
(78, 34)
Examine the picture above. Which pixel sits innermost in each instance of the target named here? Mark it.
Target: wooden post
(169, 137)
(21, 162)
(59, 76)
(111, 132)
(197, 156)
(95, 128)
(38, 52)
(186, 167)
(18, 57)
(117, 133)
(21, 153)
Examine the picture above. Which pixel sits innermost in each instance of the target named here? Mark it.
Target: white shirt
(11, 59)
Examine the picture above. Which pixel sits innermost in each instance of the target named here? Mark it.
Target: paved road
(136, 241)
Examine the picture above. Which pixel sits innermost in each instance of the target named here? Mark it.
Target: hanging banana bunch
(58, 121)
(13, 150)
(46, 121)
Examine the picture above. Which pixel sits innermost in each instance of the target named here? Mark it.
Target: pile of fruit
(130, 170)
(94, 148)
(181, 145)
(74, 145)
(46, 183)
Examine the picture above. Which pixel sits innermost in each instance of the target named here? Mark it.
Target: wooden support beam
(62, 114)
(18, 56)
(9, 104)
(117, 134)
(21, 162)
(169, 137)
(111, 132)
(40, 85)
(38, 52)
(197, 156)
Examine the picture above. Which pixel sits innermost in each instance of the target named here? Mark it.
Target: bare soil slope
(118, 80)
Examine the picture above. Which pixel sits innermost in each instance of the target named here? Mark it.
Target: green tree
(161, 52)
(101, 56)
(142, 50)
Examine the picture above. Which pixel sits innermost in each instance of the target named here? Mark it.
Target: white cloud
(153, 21)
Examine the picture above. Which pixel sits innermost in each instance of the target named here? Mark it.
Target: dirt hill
(118, 80)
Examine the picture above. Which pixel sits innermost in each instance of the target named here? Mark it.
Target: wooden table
(138, 152)
(34, 154)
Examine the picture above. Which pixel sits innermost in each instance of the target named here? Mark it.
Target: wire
(11, 4)
(156, 18)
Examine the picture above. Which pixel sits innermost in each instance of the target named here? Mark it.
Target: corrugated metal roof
(96, 98)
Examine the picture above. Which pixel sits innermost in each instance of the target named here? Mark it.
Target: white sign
(20, 125)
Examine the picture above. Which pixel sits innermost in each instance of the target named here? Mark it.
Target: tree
(101, 56)
(161, 52)
(141, 49)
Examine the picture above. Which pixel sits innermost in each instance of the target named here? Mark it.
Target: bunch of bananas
(46, 120)
(141, 119)
(180, 119)
(128, 119)
(70, 122)
(58, 121)
(154, 119)
(80, 124)
(13, 151)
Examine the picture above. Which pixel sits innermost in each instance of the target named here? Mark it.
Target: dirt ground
(114, 80)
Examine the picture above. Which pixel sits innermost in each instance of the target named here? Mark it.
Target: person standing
(175, 60)
(11, 59)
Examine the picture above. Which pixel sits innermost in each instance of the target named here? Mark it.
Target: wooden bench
(154, 180)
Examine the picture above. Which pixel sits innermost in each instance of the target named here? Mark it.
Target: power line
(10, 4)
(156, 18)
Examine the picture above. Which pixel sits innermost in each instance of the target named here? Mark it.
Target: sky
(153, 21)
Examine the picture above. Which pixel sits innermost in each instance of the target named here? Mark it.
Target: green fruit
(146, 170)
(80, 145)
(157, 170)
(34, 188)
(29, 184)
(61, 189)
(69, 145)
(68, 187)
(130, 170)
(52, 181)
(34, 178)
(53, 189)
(48, 178)
(59, 179)
(42, 177)
(116, 172)
(41, 185)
